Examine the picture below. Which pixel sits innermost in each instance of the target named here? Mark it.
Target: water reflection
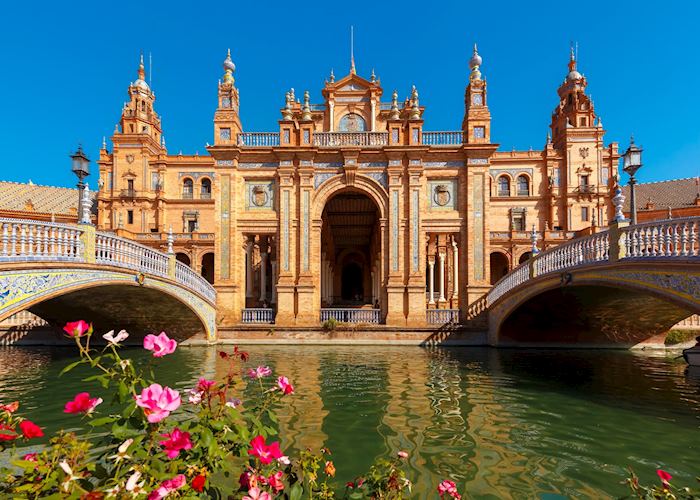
(503, 423)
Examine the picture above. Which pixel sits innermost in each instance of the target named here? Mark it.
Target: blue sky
(67, 65)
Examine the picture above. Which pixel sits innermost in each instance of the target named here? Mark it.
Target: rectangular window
(286, 136)
(605, 174)
(130, 184)
(584, 214)
(307, 136)
(154, 181)
(225, 134)
(129, 216)
(519, 222)
(191, 226)
(479, 132)
(583, 121)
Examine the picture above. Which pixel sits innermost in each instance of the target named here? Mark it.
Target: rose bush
(147, 441)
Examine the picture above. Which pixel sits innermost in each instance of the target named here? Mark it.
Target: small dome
(573, 75)
(228, 63)
(475, 60)
(141, 84)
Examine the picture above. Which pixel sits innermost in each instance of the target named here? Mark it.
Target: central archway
(350, 250)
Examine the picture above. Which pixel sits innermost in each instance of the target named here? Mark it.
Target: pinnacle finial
(229, 68)
(373, 77)
(104, 142)
(332, 76)
(474, 64)
(352, 50)
(142, 71)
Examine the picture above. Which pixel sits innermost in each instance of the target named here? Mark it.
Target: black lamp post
(81, 168)
(631, 162)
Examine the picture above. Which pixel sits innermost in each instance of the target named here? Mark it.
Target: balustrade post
(618, 249)
(87, 240)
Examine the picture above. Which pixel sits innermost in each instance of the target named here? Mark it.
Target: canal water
(501, 423)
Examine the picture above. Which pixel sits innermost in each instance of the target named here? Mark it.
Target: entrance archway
(499, 266)
(208, 267)
(350, 251)
(183, 257)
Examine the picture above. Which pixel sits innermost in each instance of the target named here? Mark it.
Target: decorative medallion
(441, 195)
(130, 158)
(259, 195)
(583, 152)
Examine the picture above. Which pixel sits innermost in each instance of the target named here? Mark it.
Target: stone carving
(259, 195)
(442, 194)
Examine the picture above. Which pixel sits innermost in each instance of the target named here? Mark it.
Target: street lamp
(631, 162)
(81, 168)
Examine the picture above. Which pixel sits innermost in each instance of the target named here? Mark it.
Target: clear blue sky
(66, 67)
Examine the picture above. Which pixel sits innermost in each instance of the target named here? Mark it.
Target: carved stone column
(273, 298)
(263, 272)
(441, 270)
(455, 269)
(249, 267)
(431, 279)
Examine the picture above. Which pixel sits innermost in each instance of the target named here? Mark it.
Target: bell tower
(477, 117)
(575, 109)
(227, 121)
(138, 115)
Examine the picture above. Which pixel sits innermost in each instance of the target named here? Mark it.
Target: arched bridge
(621, 286)
(65, 272)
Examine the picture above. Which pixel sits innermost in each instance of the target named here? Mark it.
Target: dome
(475, 60)
(573, 75)
(228, 63)
(141, 84)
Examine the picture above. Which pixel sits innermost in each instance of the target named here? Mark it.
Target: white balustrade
(27, 240)
(186, 276)
(335, 139)
(259, 139)
(115, 251)
(665, 238)
(451, 138)
(516, 277)
(258, 315)
(442, 316)
(350, 315)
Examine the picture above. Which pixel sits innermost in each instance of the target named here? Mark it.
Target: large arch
(361, 184)
(619, 304)
(499, 264)
(110, 299)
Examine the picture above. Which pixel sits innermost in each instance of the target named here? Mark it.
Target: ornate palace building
(351, 208)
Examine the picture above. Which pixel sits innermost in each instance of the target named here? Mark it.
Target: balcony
(350, 315)
(205, 195)
(451, 138)
(259, 139)
(337, 139)
(258, 315)
(187, 195)
(587, 189)
(442, 316)
(127, 193)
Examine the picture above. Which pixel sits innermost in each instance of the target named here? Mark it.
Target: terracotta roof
(675, 193)
(17, 196)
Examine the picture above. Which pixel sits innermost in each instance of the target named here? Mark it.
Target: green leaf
(70, 367)
(99, 422)
(295, 492)
(206, 438)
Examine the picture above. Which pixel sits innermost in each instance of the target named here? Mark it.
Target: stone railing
(186, 276)
(669, 238)
(676, 238)
(34, 241)
(451, 138)
(26, 240)
(349, 315)
(258, 315)
(442, 316)
(335, 139)
(259, 139)
(112, 250)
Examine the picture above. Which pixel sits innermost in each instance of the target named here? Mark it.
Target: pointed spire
(395, 113)
(352, 50)
(572, 58)
(104, 142)
(475, 64)
(332, 77)
(229, 68)
(306, 109)
(373, 77)
(415, 108)
(162, 141)
(142, 70)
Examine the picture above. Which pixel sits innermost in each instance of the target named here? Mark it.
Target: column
(431, 279)
(263, 273)
(273, 299)
(249, 267)
(455, 268)
(441, 269)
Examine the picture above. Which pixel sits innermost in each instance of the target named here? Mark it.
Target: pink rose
(204, 385)
(257, 494)
(157, 402)
(176, 440)
(167, 487)
(448, 487)
(266, 453)
(259, 372)
(402, 454)
(275, 481)
(82, 403)
(284, 385)
(77, 328)
(160, 345)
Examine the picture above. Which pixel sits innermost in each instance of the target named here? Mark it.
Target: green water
(501, 423)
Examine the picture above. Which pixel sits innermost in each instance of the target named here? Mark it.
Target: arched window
(187, 188)
(523, 186)
(205, 191)
(503, 186)
(352, 122)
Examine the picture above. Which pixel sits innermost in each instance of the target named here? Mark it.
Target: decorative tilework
(195, 175)
(225, 163)
(376, 164)
(305, 229)
(257, 165)
(328, 164)
(478, 203)
(380, 177)
(322, 177)
(477, 161)
(443, 164)
(513, 172)
(415, 230)
(225, 227)
(395, 230)
(285, 230)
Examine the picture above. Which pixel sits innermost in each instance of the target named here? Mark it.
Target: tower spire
(352, 50)
(142, 70)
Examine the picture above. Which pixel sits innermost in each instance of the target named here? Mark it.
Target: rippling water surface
(502, 423)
